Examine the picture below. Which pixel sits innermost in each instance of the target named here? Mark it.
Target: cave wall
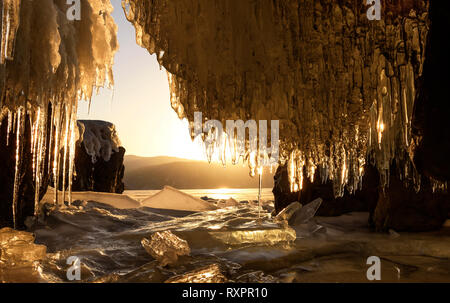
(355, 98)
(343, 87)
(430, 124)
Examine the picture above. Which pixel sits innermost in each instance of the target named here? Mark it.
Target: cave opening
(363, 135)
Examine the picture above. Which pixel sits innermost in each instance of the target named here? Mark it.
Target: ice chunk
(206, 274)
(228, 203)
(9, 235)
(393, 234)
(288, 212)
(17, 247)
(171, 198)
(165, 247)
(306, 213)
(268, 236)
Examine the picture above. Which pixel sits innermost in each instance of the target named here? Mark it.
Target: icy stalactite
(10, 23)
(75, 58)
(342, 86)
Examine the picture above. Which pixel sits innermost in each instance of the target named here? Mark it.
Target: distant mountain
(156, 172)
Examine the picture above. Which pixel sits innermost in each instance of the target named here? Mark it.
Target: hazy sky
(139, 105)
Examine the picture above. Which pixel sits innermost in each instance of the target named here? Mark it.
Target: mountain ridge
(149, 173)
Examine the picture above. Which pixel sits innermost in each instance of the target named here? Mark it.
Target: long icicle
(73, 126)
(18, 164)
(260, 172)
(66, 149)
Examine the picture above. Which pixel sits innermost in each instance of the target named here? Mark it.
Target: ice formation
(206, 274)
(171, 198)
(47, 65)
(230, 202)
(288, 212)
(166, 247)
(119, 201)
(342, 86)
(259, 236)
(18, 248)
(100, 139)
(306, 213)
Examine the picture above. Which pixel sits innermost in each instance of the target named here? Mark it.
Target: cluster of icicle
(50, 62)
(342, 86)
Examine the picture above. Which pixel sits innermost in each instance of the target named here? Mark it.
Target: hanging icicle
(43, 87)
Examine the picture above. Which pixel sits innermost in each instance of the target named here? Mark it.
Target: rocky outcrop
(398, 206)
(98, 158)
(402, 208)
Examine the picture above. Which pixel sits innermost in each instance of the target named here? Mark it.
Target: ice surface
(100, 139)
(207, 274)
(119, 201)
(17, 247)
(109, 242)
(166, 247)
(171, 198)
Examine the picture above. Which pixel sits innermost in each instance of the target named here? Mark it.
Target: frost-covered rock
(98, 158)
(99, 139)
(166, 247)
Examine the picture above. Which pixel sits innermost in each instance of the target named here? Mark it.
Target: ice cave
(364, 141)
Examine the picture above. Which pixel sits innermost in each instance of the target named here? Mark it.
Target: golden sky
(139, 105)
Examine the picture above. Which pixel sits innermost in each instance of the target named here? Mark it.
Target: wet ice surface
(231, 241)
